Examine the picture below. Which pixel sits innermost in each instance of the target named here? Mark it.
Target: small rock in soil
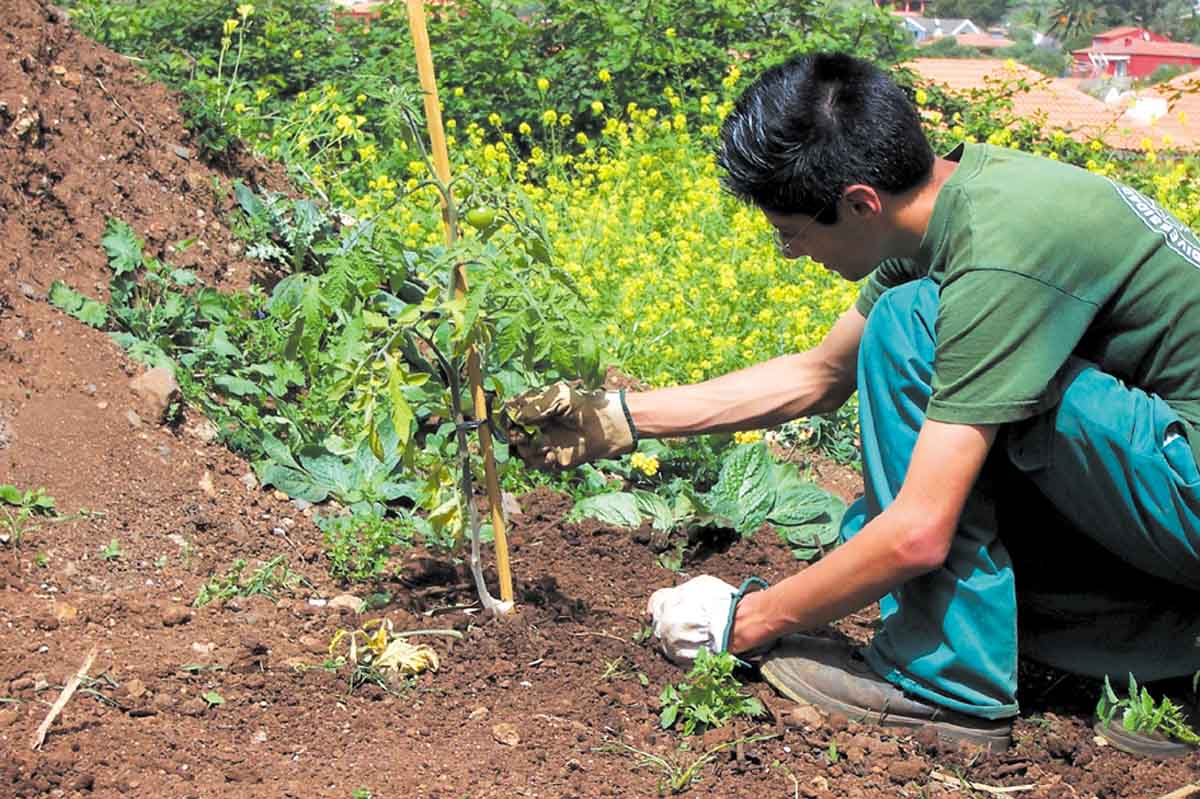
(347, 601)
(175, 615)
(804, 716)
(902, 771)
(135, 688)
(204, 430)
(65, 613)
(157, 389)
(133, 418)
(81, 782)
(193, 707)
(249, 481)
(45, 620)
(480, 712)
(506, 734)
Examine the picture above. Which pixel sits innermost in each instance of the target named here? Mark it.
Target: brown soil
(84, 136)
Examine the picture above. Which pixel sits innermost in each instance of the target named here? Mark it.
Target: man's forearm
(851, 577)
(764, 395)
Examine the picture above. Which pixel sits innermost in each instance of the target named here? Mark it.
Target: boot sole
(1142, 745)
(993, 740)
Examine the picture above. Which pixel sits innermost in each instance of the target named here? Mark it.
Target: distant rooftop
(1067, 108)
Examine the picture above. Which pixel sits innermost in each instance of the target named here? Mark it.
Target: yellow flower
(524, 129)
(451, 124)
(494, 119)
(565, 120)
(297, 54)
(543, 84)
(239, 108)
(344, 123)
(922, 97)
(230, 26)
(549, 117)
(261, 94)
(245, 10)
(604, 75)
(581, 138)
(597, 107)
(747, 436)
(669, 33)
(646, 464)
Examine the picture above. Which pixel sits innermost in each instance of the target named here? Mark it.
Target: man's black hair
(808, 128)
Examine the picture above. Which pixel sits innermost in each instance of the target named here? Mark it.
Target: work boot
(834, 677)
(1153, 744)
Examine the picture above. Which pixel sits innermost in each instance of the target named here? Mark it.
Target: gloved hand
(690, 616)
(571, 426)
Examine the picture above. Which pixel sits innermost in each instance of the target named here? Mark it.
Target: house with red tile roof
(1132, 52)
(1064, 107)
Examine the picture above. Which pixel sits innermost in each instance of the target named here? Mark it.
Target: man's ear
(862, 200)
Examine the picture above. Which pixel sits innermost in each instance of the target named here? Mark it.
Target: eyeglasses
(784, 244)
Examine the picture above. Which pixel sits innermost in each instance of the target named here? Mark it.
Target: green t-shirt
(1038, 260)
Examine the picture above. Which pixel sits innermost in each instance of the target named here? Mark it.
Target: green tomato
(480, 218)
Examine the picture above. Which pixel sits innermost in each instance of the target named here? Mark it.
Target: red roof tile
(1139, 47)
(1067, 108)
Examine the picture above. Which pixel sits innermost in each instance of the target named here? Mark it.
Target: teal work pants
(1078, 545)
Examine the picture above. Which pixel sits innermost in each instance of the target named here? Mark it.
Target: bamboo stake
(68, 690)
(441, 164)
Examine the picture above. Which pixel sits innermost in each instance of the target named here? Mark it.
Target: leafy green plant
(212, 698)
(359, 545)
(1141, 714)
(111, 551)
(709, 696)
(18, 511)
(269, 580)
(751, 490)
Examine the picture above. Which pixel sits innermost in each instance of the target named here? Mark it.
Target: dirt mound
(233, 698)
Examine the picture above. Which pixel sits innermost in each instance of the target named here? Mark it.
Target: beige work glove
(692, 615)
(558, 426)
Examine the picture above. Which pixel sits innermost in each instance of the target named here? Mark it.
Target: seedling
(1141, 714)
(111, 551)
(678, 773)
(832, 754)
(212, 698)
(643, 634)
(269, 580)
(18, 510)
(710, 696)
(616, 669)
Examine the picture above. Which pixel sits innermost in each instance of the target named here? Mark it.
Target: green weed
(269, 580)
(1139, 713)
(679, 772)
(20, 512)
(709, 696)
(111, 551)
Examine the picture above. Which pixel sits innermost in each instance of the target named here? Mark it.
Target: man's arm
(764, 395)
(911, 537)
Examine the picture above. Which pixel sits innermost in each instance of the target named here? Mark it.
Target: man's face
(845, 247)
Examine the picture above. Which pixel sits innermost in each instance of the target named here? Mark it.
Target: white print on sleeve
(1175, 234)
